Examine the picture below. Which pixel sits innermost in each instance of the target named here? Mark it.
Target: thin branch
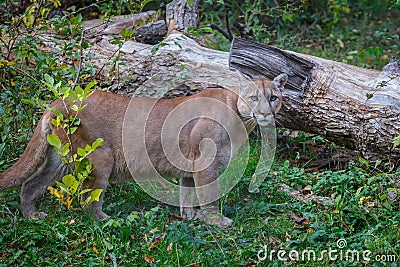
(227, 22)
(220, 29)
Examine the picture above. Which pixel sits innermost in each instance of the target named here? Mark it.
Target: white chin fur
(265, 121)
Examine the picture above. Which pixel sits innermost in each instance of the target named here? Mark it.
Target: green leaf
(88, 148)
(79, 90)
(359, 190)
(63, 187)
(54, 141)
(90, 85)
(85, 45)
(76, 19)
(85, 191)
(81, 152)
(77, 121)
(73, 94)
(49, 79)
(59, 114)
(364, 162)
(99, 142)
(64, 91)
(70, 183)
(65, 150)
(95, 194)
(75, 108)
(70, 100)
(377, 163)
(56, 122)
(127, 33)
(396, 141)
(371, 180)
(29, 101)
(72, 130)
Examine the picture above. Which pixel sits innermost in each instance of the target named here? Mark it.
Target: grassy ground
(143, 232)
(267, 224)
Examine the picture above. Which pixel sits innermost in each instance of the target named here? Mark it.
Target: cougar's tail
(32, 158)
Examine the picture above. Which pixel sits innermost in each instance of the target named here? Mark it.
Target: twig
(220, 29)
(80, 62)
(227, 23)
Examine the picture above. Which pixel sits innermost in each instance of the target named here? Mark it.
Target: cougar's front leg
(187, 197)
(207, 190)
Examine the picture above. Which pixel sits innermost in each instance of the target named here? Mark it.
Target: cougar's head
(261, 100)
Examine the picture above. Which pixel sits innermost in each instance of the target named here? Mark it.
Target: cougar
(108, 115)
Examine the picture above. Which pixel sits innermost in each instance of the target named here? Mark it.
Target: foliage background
(143, 232)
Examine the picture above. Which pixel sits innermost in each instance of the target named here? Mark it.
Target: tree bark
(351, 106)
(182, 14)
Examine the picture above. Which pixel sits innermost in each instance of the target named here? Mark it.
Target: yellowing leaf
(148, 259)
(70, 183)
(54, 192)
(56, 3)
(169, 248)
(95, 250)
(29, 17)
(340, 42)
(70, 222)
(68, 202)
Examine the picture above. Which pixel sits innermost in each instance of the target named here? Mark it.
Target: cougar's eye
(254, 98)
(273, 98)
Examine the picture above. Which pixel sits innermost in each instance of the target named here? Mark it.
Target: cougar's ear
(281, 80)
(245, 84)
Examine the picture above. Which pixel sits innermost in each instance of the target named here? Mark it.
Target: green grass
(144, 232)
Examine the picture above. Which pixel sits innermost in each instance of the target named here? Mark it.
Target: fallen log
(353, 107)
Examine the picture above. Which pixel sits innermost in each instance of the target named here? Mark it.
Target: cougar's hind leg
(35, 186)
(207, 190)
(187, 197)
(103, 163)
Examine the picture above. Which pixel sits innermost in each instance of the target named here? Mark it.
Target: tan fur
(40, 166)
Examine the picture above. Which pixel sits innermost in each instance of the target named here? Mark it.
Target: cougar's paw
(37, 215)
(188, 213)
(213, 217)
(100, 215)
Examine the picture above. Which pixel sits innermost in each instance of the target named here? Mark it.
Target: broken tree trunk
(181, 15)
(351, 106)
